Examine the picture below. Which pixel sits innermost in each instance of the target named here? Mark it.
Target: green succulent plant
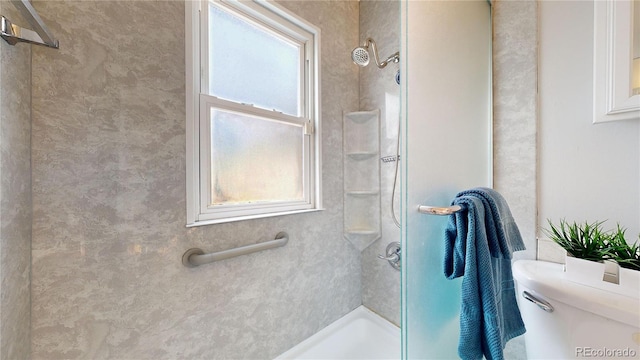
(590, 242)
(586, 241)
(626, 255)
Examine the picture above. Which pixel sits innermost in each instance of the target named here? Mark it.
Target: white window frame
(199, 104)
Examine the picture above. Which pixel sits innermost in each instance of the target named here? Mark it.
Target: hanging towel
(479, 243)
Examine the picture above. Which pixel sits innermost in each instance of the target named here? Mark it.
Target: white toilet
(568, 320)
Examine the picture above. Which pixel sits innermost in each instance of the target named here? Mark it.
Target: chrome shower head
(360, 56)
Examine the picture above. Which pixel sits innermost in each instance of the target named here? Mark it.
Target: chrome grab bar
(433, 210)
(194, 257)
(541, 303)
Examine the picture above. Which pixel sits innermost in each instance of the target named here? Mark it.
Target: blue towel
(479, 243)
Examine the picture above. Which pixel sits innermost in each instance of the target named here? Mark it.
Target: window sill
(249, 217)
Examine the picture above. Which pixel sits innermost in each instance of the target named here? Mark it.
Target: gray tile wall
(109, 209)
(15, 194)
(380, 20)
(515, 66)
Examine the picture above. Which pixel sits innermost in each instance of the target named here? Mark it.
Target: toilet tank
(585, 322)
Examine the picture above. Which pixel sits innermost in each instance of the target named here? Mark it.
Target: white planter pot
(591, 273)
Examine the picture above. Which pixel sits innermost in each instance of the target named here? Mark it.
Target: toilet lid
(548, 279)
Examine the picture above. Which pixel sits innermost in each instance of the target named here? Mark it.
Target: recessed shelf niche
(361, 147)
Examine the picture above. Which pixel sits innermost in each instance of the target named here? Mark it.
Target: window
(252, 112)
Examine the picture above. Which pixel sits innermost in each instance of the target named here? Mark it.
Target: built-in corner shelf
(362, 155)
(361, 146)
(362, 193)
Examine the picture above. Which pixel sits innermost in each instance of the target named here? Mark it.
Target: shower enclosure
(96, 268)
(446, 111)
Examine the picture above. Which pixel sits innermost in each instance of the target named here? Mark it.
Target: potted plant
(588, 241)
(627, 256)
(588, 246)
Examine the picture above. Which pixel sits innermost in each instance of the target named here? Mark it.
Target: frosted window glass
(254, 159)
(250, 65)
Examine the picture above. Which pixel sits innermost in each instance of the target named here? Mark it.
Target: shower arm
(40, 35)
(393, 58)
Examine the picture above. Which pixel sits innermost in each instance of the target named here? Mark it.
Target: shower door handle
(434, 210)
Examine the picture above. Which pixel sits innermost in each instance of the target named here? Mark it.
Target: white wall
(587, 172)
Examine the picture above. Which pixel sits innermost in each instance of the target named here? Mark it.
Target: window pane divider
(249, 109)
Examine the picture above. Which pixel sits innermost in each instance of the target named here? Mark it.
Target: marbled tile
(15, 194)
(109, 200)
(515, 113)
(380, 20)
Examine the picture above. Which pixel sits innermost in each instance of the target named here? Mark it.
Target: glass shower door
(446, 111)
